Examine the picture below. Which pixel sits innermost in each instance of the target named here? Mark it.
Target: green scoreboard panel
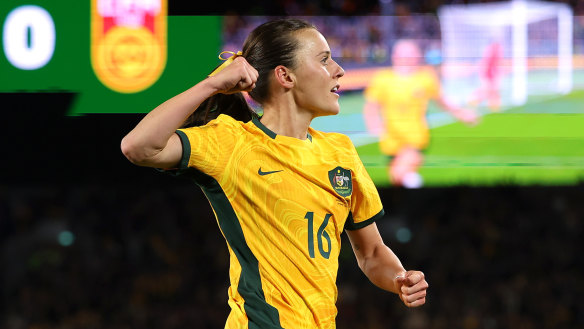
(116, 56)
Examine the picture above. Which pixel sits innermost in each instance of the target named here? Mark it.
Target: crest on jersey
(341, 181)
(128, 43)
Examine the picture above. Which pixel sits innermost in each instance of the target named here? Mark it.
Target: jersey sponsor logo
(341, 181)
(263, 173)
(128, 43)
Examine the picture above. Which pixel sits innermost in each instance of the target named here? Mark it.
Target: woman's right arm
(153, 143)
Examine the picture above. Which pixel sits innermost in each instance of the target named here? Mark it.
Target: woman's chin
(330, 111)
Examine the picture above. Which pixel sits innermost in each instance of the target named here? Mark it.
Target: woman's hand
(412, 288)
(237, 76)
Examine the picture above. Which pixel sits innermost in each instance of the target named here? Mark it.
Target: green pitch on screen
(193, 45)
(522, 146)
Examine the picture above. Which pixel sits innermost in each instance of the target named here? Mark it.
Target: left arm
(465, 115)
(372, 117)
(383, 267)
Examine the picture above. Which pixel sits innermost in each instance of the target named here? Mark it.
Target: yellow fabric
(273, 211)
(404, 101)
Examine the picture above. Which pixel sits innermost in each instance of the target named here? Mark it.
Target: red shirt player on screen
(489, 75)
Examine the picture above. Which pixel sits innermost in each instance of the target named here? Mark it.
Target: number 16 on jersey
(320, 234)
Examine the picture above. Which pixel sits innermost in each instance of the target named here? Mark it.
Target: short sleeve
(208, 148)
(366, 205)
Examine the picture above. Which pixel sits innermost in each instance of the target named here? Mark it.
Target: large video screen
(457, 100)
(480, 95)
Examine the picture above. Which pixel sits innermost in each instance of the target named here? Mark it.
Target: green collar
(259, 124)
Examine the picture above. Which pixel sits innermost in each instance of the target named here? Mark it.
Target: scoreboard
(115, 56)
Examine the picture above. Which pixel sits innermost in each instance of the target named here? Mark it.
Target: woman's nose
(340, 72)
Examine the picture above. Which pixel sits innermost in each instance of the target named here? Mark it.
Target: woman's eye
(324, 60)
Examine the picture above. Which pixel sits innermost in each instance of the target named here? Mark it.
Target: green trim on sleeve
(183, 165)
(350, 225)
(186, 146)
(260, 314)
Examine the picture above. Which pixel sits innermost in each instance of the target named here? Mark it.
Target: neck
(286, 119)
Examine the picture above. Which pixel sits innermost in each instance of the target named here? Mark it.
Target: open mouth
(335, 89)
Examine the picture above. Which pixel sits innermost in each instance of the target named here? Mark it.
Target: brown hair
(267, 46)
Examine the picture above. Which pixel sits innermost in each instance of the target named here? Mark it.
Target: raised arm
(153, 143)
(384, 269)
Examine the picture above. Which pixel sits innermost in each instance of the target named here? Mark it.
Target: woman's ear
(284, 76)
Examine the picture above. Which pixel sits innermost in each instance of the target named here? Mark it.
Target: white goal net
(533, 40)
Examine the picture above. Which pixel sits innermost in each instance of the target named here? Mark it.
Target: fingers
(249, 77)
(409, 291)
(412, 288)
(245, 83)
(413, 277)
(415, 302)
(237, 76)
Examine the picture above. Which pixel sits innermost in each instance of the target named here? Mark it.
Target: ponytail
(233, 105)
(267, 46)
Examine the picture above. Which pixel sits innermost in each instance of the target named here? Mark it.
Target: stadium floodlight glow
(29, 37)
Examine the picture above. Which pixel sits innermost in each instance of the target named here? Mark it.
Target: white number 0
(29, 37)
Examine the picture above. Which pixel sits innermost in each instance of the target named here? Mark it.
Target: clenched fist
(237, 76)
(412, 288)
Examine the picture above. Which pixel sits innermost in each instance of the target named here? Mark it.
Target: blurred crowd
(357, 41)
(362, 36)
(330, 7)
(122, 257)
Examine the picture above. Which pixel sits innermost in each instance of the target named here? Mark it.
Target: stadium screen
(465, 101)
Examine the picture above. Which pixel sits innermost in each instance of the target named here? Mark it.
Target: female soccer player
(282, 192)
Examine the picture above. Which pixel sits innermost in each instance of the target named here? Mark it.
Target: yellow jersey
(281, 204)
(404, 101)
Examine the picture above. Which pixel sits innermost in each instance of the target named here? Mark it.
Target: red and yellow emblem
(128, 43)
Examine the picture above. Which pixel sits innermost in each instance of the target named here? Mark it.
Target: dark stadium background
(147, 252)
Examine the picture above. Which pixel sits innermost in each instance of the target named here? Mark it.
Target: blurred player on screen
(395, 109)
(489, 75)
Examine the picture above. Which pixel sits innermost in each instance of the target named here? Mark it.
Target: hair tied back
(226, 60)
